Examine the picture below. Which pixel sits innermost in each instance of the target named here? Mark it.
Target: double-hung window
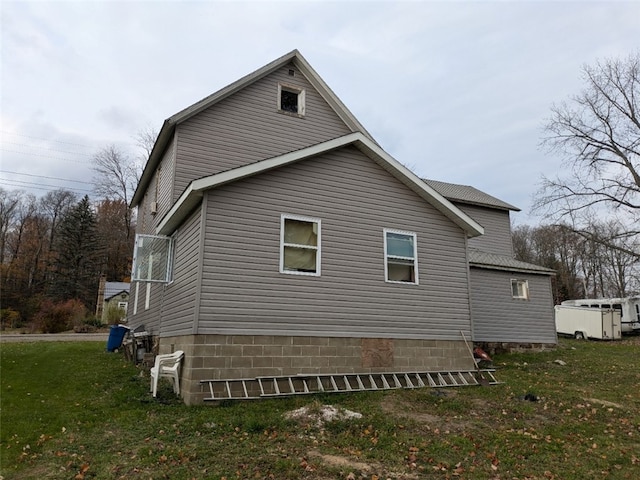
(300, 245)
(400, 257)
(520, 289)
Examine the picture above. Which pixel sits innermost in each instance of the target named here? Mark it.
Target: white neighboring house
(112, 294)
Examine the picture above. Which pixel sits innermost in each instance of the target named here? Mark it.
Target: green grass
(73, 411)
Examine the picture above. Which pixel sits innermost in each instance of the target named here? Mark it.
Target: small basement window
(291, 100)
(520, 289)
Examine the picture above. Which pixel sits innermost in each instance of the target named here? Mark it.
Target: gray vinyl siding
(181, 296)
(172, 307)
(497, 317)
(497, 229)
(164, 179)
(247, 127)
(145, 221)
(244, 293)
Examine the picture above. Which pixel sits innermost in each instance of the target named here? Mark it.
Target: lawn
(73, 411)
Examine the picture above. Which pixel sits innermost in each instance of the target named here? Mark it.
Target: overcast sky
(457, 91)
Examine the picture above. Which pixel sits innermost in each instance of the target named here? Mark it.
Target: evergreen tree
(78, 253)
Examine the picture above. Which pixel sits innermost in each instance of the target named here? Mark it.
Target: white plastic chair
(167, 365)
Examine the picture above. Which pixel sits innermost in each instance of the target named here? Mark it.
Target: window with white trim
(520, 289)
(291, 99)
(400, 257)
(152, 259)
(299, 245)
(135, 298)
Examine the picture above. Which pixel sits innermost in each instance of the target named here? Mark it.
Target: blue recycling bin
(116, 336)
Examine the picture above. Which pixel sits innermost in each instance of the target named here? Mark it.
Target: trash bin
(116, 335)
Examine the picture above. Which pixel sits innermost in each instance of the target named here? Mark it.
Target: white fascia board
(329, 96)
(420, 187)
(194, 192)
(232, 88)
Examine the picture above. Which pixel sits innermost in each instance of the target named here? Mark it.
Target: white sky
(457, 91)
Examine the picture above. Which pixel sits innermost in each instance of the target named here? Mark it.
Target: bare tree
(145, 140)
(115, 171)
(10, 202)
(116, 179)
(598, 134)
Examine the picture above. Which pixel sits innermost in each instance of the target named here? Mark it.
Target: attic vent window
(291, 100)
(292, 72)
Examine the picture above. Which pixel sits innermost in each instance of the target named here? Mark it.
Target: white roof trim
(192, 196)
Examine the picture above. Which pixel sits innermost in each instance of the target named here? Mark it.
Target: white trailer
(586, 322)
(629, 308)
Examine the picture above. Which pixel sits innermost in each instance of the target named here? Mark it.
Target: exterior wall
(113, 302)
(165, 175)
(173, 307)
(497, 317)
(210, 357)
(355, 199)
(159, 192)
(497, 229)
(247, 127)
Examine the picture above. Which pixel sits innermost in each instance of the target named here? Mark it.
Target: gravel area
(53, 337)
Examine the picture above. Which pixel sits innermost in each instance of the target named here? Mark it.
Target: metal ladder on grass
(305, 384)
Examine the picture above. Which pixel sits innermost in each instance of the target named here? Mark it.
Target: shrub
(9, 318)
(59, 317)
(115, 315)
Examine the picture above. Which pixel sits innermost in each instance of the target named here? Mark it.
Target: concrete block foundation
(214, 357)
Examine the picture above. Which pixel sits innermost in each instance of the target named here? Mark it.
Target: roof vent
(292, 72)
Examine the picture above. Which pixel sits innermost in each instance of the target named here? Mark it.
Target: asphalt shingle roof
(113, 288)
(478, 258)
(466, 194)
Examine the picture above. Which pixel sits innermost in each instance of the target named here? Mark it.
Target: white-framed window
(135, 298)
(520, 289)
(400, 257)
(123, 305)
(147, 298)
(291, 99)
(152, 259)
(299, 245)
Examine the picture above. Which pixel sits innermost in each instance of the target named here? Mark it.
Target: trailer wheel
(579, 336)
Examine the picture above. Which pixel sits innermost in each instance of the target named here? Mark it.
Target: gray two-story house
(276, 237)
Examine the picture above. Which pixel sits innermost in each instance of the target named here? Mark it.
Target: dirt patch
(340, 462)
(365, 470)
(407, 410)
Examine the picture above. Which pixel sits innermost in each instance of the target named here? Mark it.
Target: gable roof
(468, 195)
(169, 125)
(114, 288)
(192, 196)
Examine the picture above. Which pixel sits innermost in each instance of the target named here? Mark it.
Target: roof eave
(159, 147)
(504, 268)
(192, 196)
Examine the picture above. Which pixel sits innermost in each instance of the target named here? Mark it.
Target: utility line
(39, 186)
(48, 178)
(45, 156)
